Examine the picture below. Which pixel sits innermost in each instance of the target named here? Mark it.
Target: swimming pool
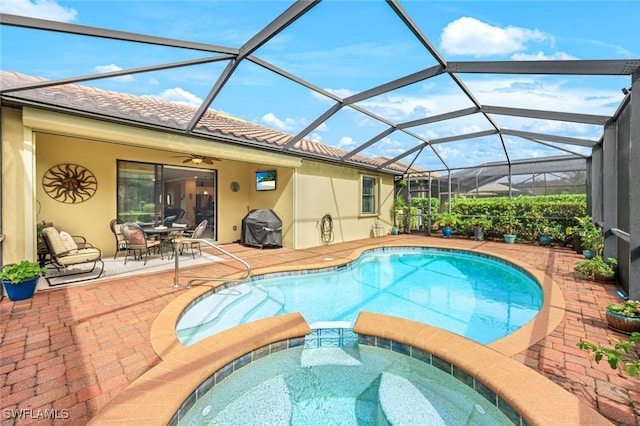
(474, 295)
(324, 382)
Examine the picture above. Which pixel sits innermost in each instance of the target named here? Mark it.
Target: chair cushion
(81, 256)
(54, 242)
(68, 242)
(137, 239)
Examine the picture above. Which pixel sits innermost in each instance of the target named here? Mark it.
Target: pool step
(234, 314)
(269, 402)
(229, 308)
(271, 306)
(210, 308)
(408, 406)
(330, 356)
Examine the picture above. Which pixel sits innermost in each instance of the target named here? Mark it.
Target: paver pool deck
(68, 352)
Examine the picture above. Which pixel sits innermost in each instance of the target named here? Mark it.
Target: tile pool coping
(157, 395)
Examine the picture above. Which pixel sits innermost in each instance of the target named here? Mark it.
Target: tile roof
(84, 100)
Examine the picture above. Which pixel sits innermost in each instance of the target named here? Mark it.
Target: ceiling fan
(197, 159)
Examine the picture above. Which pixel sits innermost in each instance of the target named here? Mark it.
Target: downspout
(429, 207)
(449, 182)
(410, 215)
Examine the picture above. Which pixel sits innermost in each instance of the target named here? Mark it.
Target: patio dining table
(164, 234)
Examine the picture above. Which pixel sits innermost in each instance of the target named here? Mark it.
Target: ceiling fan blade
(188, 160)
(207, 160)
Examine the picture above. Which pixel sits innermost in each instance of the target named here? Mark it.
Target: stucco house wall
(34, 140)
(330, 189)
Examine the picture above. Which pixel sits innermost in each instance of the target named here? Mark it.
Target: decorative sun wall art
(69, 183)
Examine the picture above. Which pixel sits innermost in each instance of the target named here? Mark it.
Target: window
(368, 195)
(138, 194)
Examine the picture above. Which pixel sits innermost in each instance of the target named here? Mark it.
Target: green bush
(531, 214)
(423, 204)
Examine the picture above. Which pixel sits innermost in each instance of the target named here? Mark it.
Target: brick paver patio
(69, 351)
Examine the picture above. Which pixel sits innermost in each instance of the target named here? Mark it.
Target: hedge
(555, 213)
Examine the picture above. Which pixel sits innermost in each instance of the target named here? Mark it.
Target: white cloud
(544, 93)
(114, 67)
(287, 125)
(43, 9)
(402, 108)
(469, 36)
(315, 136)
(347, 143)
(179, 96)
(389, 148)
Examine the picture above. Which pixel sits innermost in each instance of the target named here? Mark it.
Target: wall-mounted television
(266, 180)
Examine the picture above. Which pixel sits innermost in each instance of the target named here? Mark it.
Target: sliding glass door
(159, 194)
(139, 192)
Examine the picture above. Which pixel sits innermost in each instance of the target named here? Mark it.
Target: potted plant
(447, 221)
(587, 236)
(624, 317)
(479, 224)
(509, 224)
(20, 279)
(542, 228)
(572, 233)
(397, 211)
(544, 238)
(597, 269)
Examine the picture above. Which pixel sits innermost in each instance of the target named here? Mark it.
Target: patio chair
(173, 239)
(137, 241)
(121, 244)
(197, 233)
(66, 251)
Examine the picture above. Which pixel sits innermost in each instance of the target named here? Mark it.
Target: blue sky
(345, 47)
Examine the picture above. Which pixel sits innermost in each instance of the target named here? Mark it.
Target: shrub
(559, 212)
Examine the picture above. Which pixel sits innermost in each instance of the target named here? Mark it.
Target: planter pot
(394, 231)
(478, 233)
(446, 232)
(588, 254)
(576, 242)
(544, 239)
(22, 291)
(509, 238)
(622, 323)
(607, 279)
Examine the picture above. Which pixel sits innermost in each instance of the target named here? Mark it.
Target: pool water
(473, 295)
(362, 385)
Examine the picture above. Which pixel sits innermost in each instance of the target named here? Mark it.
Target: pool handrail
(176, 256)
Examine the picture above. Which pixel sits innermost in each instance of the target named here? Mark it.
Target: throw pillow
(68, 242)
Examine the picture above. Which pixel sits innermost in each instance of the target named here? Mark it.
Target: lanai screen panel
(382, 56)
